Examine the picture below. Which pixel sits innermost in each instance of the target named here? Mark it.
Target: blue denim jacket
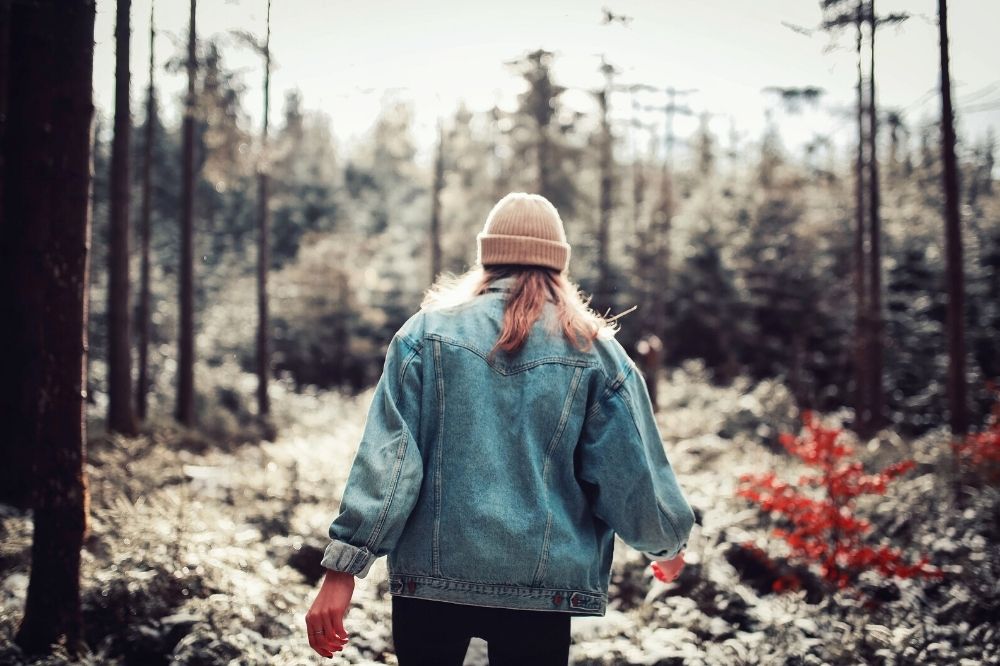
(502, 482)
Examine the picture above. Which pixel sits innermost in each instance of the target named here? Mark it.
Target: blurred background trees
(738, 252)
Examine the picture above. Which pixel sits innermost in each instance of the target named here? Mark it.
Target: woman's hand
(325, 619)
(668, 570)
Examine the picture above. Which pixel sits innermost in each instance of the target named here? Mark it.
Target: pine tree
(47, 211)
(121, 417)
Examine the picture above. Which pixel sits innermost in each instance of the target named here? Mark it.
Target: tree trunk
(4, 78)
(604, 225)
(862, 417)
(185, 365)
(264, 246)
(876, 393)
(54, 44)
(19, 299)
(147, 205)
(436, 188)
(120, 415)
(957, 408)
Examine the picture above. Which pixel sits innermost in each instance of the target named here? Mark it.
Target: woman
(509, 438)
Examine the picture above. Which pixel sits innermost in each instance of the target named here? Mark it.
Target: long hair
(532, 286)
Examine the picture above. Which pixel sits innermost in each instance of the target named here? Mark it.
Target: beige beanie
(524, 229)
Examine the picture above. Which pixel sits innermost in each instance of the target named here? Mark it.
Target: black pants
(438, 633)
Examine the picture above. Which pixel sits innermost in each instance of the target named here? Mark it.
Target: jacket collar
(502, 284)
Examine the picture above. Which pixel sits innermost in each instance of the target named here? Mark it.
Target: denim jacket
(502, 481)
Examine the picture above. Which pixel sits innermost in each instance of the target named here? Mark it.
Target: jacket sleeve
(385, 477)
(623, 464)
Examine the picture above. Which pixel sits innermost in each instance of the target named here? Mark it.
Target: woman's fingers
(314, 627)
(336, 638)
(337, 620)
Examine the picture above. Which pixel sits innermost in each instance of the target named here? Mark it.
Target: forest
(196, 313)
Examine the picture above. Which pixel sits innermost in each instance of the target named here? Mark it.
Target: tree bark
(52, 89)
(862, 418)
(4, 79)
(185, 365)
(19, 300)
(876, 392)
(121, 418)
(145, 299)
(436, 187)
(604, 225)
(958, 410)
(263, 244)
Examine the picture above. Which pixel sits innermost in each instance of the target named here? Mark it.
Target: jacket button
(557, 599)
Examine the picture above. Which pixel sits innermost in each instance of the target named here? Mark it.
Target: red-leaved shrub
(816, 516)
(979, 452)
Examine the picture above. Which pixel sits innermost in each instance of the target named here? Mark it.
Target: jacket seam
(394, 482)
(563, 419)
(514, 369)
(610, 387)
(517, 589)
(438, 459)
(556, 438)
(407, 360)
(544, 559)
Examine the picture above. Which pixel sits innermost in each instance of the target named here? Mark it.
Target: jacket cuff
(665, 554)
(340, 556)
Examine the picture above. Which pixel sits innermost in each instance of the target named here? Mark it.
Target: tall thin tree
(862, 332)
(263, 240)
(606, 162)
(51, 116)
(121, 417)
(436, 187)
(145, 299)
(869, 322)
(876, 324)
(18, 335)
(185, 364)
(957, 408)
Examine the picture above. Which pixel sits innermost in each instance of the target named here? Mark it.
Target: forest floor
(207, 552)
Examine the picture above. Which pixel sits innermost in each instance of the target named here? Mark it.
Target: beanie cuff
(523, 250)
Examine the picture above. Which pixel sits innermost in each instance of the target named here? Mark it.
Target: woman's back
(501, 503)
(513, 471)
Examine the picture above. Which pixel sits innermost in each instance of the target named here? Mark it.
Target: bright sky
(348, 57)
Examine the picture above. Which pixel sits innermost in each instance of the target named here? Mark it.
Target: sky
(349, 58)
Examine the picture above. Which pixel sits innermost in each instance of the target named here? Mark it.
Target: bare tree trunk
(862, 417)
(185, 365)
(957, 408)
(436, 188)
(147, 205)
(604, 225)
(264, 245)
(876, 397)
(54, 44)
(19, 335)
(4, 81)
(120, 415)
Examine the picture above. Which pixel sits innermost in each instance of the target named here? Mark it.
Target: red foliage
(980, 451)
(821, 526)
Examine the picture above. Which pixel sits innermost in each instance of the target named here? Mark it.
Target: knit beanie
(524, 229)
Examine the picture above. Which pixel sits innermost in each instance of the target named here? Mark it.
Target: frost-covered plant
(817, 516)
